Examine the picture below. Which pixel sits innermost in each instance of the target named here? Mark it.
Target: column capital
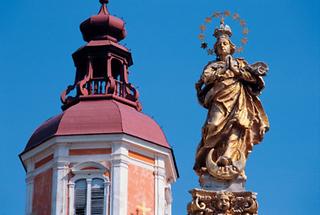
(159, 172)
(120, 160)
(29, 178)
(61, 165)
(61, 149)
(119, 148)
(71, 184)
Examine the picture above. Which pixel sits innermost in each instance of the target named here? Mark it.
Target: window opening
(80, 197)
(97, 196)
(117, 70)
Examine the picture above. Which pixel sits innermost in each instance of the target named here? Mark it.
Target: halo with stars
(222, 16)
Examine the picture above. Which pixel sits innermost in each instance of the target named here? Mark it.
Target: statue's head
(223, 45)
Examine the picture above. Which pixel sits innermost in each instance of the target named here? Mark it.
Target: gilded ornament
(236, 121)
(222, 203)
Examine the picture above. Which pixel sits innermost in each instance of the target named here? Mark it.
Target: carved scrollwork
(132, 92)
(82, 86)
(244, 205)
(65, 99)
(198, 206)
(222, 203)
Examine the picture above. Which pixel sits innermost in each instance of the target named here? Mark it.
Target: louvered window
(90, 196)
(97, 196)
(80, 203)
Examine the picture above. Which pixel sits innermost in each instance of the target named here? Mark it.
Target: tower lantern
(102, 64)
(101, 155)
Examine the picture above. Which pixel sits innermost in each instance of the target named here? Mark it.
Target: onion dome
(103, 26)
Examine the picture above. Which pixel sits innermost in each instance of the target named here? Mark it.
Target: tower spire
(104, 8)
(102, 64)
(104, 1)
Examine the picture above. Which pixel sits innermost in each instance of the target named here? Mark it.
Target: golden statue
(229, 89)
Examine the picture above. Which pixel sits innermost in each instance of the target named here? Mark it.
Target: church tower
(101, 155)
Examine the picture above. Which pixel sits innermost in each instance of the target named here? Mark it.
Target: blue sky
(38, 38)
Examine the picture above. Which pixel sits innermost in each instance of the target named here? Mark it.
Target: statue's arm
(206, 77)
(209, 73)
(245, 73)
(247, 76)
(206, 81)
(252, 75)
(258, 68)
(199, 85)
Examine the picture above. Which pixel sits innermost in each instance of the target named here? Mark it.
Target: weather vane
(222, 16)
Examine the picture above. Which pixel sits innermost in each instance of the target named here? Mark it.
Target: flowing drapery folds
(236, 120)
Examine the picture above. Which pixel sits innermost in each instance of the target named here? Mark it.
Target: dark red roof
(99, 117)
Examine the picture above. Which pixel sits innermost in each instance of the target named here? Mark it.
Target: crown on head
(223, 30)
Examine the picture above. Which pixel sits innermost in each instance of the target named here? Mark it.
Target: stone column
(60, 181)
(29, 193)
(119, 182)
(89, 184)
(106, 197)
(71, 198)
(160, 183)
(59, 188)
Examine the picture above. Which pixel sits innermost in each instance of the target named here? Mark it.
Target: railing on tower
(102, 86)
(108, 87)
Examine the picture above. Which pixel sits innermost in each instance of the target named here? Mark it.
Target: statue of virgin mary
(236, 121)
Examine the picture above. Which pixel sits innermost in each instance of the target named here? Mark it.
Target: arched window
(89, 190)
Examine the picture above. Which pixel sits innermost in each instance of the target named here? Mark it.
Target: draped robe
(236, 119)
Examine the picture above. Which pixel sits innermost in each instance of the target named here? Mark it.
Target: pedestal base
(209, 183)
(206, 202)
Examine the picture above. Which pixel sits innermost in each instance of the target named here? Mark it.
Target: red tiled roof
(99, 117)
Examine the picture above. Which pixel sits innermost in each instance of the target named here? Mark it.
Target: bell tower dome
(101, 155)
